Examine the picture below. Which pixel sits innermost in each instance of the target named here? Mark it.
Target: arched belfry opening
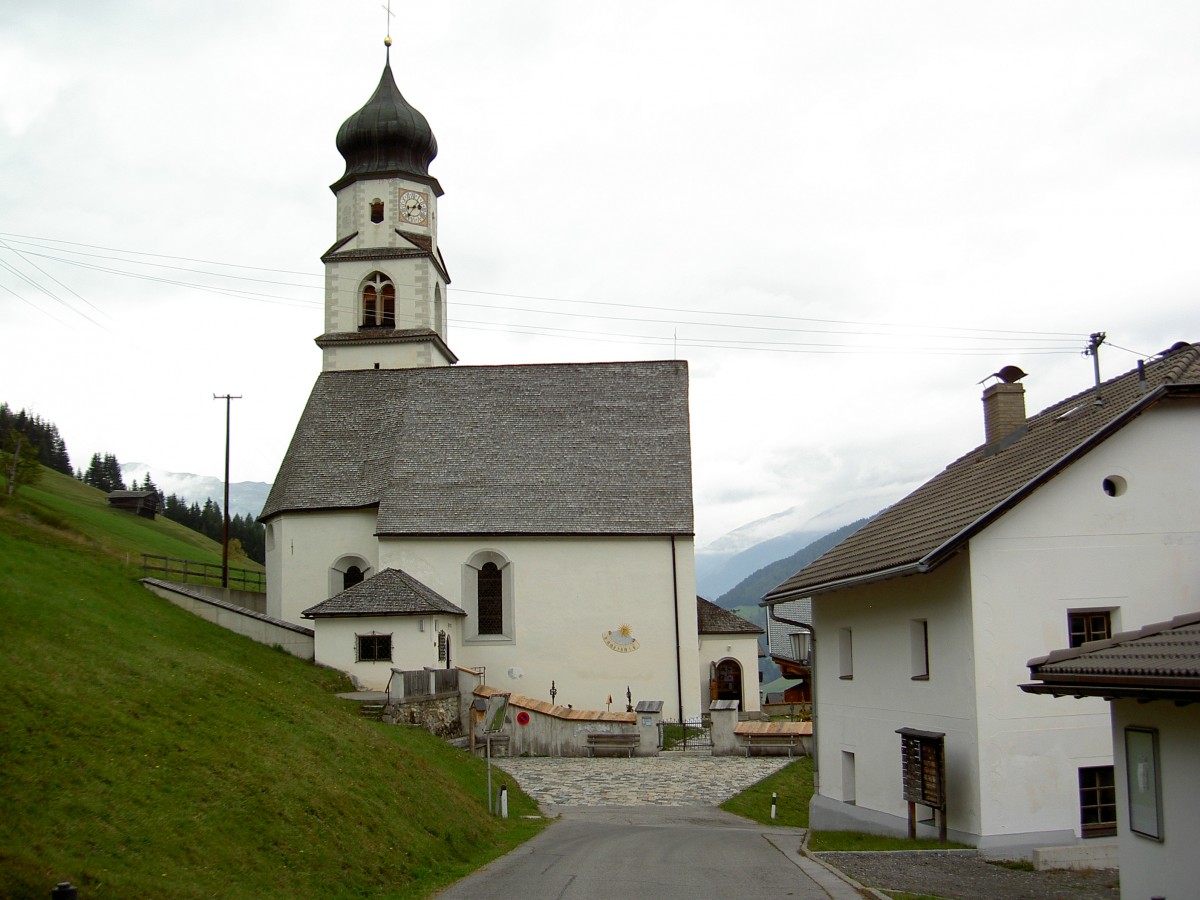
(378, 302)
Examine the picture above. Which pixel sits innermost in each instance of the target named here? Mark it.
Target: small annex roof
(712, 619)
(562, 449)
(937, 519)
(1158, 662)
(392, 592)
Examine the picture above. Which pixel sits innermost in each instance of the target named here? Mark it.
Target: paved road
(658, 851)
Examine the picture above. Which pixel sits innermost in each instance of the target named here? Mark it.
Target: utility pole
(225, 509)
(1093, 350)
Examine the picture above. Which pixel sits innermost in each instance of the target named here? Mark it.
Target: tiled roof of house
(1158, 661)
(936, 519)
(712, 619)
(392, 592)
(577, 448)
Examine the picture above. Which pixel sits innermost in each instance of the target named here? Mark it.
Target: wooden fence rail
(189, 571)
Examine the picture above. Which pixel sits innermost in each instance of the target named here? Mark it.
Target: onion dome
(386, 137)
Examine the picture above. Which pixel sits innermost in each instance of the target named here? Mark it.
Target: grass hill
(147, 753)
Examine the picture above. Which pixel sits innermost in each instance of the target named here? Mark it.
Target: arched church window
(378, 301)
(376, 210)
(352, 576)
(491, 599)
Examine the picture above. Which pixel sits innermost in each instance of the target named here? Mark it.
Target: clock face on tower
(414, 207)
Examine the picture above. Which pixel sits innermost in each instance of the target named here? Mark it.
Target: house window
(849, 792)
(491, 599)
(374, 647)
(378, 302)
(1097, 801)
(1088, 626)
(845, 654)
(918, 637)
(377, 211)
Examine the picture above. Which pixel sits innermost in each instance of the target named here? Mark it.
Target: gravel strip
(966, 876)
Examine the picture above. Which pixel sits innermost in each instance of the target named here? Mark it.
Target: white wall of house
(1012, 758)
(414, 644)
(864, 696)
(1071, 546)
(314, 546)
(715, 648)
(1166, 867)
(567, 595)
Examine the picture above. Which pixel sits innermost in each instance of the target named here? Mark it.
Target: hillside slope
(147, 753)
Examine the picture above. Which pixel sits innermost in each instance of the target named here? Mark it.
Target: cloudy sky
(844, 216)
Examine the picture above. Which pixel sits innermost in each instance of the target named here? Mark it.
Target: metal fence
(189, 571)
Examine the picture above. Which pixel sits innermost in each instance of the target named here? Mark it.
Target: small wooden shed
(143, 503)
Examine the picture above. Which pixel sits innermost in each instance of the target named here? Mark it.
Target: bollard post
(504, 801)
(774, 800)
(64, 890)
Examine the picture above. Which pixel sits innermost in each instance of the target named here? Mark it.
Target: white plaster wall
(568, 593)
(861, 715)
(303, 547)
(1071, 546)
(744, 648)
(1165, 868)
(412, 648)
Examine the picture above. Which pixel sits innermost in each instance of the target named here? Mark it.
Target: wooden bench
(613, 741)
(776, 739)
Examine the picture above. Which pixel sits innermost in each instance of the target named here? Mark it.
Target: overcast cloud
(842, 215)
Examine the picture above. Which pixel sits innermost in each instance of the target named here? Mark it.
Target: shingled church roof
(573, 448)
(938, 518)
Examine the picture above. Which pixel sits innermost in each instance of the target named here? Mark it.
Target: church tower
(385, 280)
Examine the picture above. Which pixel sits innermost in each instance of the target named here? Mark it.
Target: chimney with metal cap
(1003, 404)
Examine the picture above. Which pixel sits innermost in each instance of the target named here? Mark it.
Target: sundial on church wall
(621, 639)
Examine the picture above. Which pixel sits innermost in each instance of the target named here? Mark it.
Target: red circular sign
(522, 718)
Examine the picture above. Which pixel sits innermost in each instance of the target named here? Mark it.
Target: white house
(1058, 529)
(1152, 679)
(534, 521)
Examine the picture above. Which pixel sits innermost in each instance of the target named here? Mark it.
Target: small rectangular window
(1092, 625)
(1097, 801)
(849, 791)
(374, 647)
(918, 638)
(845, 654)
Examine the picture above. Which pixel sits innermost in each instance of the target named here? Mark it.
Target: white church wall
(311, 544)
(414, 644)
(571, 596)
(1069, 547)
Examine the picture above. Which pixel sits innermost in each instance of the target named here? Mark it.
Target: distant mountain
(752, 588)
(738, 553)
(246, 498)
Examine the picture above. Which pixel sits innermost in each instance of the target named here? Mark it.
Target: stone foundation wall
(438, 714)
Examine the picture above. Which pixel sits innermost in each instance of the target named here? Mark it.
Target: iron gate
(686, 734)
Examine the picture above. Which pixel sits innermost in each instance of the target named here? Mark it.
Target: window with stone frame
(373, 647)
(378, 302)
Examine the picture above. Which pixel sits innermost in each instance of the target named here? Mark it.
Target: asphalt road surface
(660, 852)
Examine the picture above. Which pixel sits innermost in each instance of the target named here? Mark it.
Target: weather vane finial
(387, 40)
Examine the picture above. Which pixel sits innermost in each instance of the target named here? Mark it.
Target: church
(534, 522)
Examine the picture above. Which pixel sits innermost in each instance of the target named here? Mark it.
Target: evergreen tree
(18, 461)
